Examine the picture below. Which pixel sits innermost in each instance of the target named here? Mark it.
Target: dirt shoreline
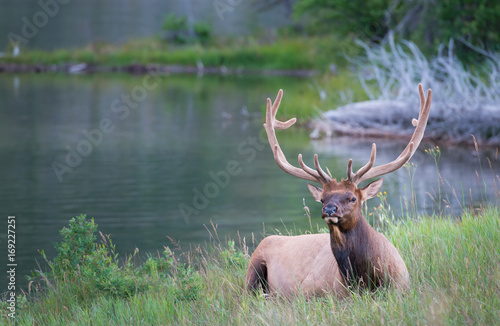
(142, 69)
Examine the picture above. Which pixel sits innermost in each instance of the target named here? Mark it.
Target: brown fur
(289, 265)
(363, 255)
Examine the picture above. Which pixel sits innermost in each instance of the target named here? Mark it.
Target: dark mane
(353, 255)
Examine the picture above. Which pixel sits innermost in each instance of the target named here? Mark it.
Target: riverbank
(285, 54)
(141, 69)
(454, 269)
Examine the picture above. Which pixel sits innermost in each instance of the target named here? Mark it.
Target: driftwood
(464, 102)
(382, 118)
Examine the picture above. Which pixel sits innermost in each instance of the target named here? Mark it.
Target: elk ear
(315, 192)
(372, 189)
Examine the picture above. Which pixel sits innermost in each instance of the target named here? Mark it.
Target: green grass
(454, 268)
(283, 53)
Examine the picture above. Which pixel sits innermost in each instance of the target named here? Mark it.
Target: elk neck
(350, 248)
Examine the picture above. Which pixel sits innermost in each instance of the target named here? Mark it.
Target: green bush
(178, 31)
(233, 257)
(203, 32)
(174, 23)
(94, 267)
(159, 266)
(187, 283)
(77, 244)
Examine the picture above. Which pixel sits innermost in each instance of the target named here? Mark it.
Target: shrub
(92, 267)
(77, 245)
(234, 258)
(203, 32)
(187, 283)
(178, 31)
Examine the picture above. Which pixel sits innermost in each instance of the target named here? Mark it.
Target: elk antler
(306, 172)
(367, 172)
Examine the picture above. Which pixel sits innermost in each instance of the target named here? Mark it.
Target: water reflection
(167, 150)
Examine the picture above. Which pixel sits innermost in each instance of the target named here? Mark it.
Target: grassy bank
(454, 267)
(284, 53)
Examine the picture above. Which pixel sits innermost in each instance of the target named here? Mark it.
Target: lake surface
(78, 23)
(149, 146)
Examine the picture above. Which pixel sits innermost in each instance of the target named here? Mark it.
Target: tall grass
(454, 268)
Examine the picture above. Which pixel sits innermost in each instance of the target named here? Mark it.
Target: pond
(152, 158)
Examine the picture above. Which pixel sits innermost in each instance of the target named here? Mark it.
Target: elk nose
(329, 210)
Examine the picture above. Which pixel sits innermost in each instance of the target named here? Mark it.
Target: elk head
(342, 200)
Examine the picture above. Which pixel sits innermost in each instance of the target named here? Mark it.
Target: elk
(289, 265)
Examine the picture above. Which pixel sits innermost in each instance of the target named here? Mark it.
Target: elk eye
(322, 201)
(353, 199)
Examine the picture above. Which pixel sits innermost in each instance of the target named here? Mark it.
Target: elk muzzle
(331, 213)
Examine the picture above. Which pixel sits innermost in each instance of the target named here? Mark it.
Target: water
(160, 155)
(80, 23)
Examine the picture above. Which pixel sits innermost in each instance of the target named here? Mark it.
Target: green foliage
(76, 246)
(174, 23)
(233, 258)
(182, 279)
(94, 266)
(178, 31)
(159, 266)
(187, 283)
(475, 21)
(358, 18)
(429, 24)
(203, 32)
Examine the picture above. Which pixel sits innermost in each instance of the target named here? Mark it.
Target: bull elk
(289, 265)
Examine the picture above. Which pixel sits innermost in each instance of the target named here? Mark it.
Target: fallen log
(389, 119)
